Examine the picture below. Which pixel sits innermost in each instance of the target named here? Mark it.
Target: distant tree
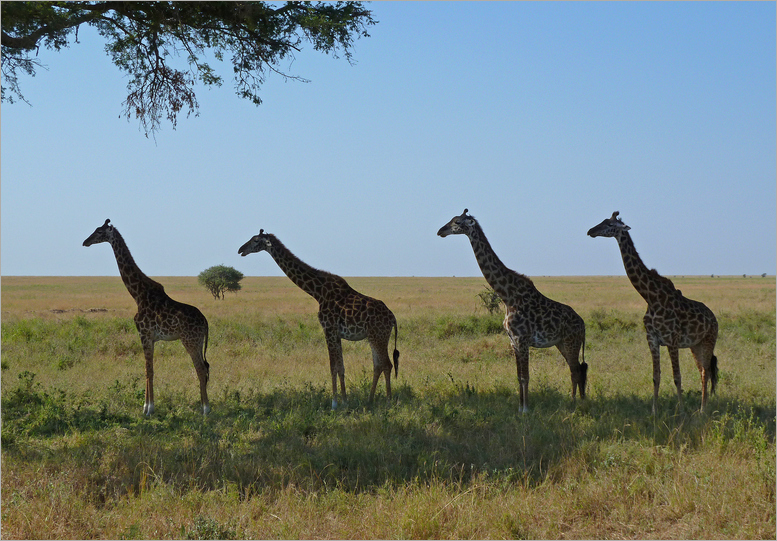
(220, 279)
(142, 38)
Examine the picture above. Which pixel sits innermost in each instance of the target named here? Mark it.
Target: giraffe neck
(511, 286)
(314, 282)
(136, 282)
(647, 282)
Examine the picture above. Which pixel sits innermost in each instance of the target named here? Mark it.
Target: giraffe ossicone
(532, 319)
(343, 312)
(158, 317)
(671, 319)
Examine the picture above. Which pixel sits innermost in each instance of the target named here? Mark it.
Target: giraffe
(159, 317)
(671, 320)
(532, 319)
(343, 312)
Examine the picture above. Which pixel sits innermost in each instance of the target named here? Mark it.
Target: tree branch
(141, 36)
(30, 41)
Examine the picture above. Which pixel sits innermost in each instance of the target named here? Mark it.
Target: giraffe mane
(142, 275)
(484, 239)
(523, 278)
(331, 276)
(664, 280)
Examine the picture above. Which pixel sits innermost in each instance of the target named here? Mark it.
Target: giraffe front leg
(521, 350)
(148, 353)
(674, 355)
(655, 352)
(341, 375)
(336, 366)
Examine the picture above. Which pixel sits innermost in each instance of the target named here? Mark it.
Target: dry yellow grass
(40, 296)
(449, 459)
(424, 359)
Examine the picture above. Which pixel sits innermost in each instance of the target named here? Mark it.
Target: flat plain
(449, 457)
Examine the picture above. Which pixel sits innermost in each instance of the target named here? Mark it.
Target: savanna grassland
(449, 457)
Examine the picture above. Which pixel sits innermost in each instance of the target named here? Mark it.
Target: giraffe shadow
(463, 433)
(289, 436)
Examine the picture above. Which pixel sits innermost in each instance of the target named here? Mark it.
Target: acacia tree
(220, 279)
(144, 39)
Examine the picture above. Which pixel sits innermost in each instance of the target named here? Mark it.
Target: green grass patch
(467, 326)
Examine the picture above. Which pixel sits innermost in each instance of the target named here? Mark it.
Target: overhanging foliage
(144, 38)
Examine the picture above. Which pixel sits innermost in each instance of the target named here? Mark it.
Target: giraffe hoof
(148, 409)
(205, 409)
(334, 404)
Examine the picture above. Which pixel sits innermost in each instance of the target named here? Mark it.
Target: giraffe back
(357, 316)
(681, 322)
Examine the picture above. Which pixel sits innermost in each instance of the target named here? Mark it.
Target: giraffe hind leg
(197, 353)
(707, 363)
(381, 365)
(713, 373)
(570, 350)
(376, 372)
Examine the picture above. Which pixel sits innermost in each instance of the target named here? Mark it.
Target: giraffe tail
(204, 351)
(396, 351)
(583, 367)
(713, 373)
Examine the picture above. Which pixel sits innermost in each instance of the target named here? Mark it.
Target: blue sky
(541, 118)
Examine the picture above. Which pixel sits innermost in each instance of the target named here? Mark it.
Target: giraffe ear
(619, 221)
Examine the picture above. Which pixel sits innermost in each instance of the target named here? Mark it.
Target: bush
(491, 300)
(220, 279)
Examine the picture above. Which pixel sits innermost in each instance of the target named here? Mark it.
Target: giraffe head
(459, 225)
(104, 233)
(610, 227)
(257, 243)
